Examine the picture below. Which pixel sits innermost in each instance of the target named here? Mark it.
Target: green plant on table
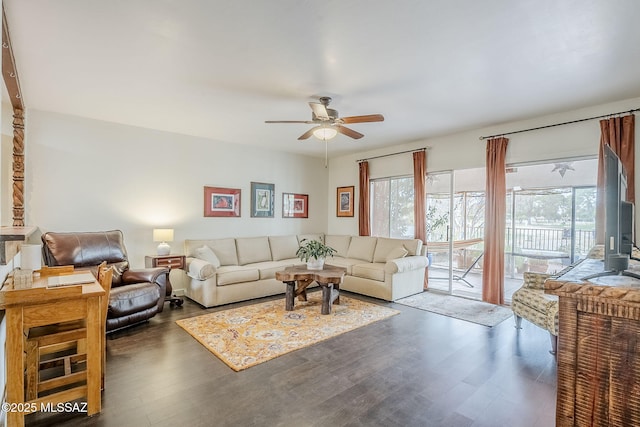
(313, 249)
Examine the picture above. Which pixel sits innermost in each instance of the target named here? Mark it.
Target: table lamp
(163, 235)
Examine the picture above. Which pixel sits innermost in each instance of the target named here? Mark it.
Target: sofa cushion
(200, 269)
(205, 253)
(230, 274)
(386, 245)
(318, 237)
(225, 250)
(283, 247)
(398, 252)
(339, 243)
(253, 249)
(347, 263)
(374, 271)
(414, 246)
(362, 247)
(267, 270)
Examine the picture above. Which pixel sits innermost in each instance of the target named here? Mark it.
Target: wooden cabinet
(598, 348)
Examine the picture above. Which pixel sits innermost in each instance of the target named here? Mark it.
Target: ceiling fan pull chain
(326, 152)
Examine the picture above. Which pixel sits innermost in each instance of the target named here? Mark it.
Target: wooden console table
(39, 306)
(598, 348)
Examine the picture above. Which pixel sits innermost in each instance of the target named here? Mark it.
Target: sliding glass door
(439, 230)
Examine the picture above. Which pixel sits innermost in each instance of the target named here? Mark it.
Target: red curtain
(364, 226)
(619, 134)
(495, 222)
(419, 205)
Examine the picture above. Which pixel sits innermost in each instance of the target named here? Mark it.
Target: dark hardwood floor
(414, 369)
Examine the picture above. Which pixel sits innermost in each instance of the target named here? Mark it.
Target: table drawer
(171, 262)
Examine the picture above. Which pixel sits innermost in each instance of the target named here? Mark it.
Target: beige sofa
(222, 271)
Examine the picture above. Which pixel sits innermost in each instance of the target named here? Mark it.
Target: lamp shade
(163, 234)
(30, 257)
(325, 132)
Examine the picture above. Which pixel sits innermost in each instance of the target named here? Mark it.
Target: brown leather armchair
(136, 295)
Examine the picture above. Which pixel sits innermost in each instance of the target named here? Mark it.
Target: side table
(170, 261)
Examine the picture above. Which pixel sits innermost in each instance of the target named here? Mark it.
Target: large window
(392, 207)
(550, 220)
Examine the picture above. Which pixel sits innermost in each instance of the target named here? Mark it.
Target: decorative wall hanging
(262, 199)
(219, 201)
(344, 201)
(295, 205)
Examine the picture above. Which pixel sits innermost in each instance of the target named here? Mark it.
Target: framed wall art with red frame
(295, 205)
(223, 202)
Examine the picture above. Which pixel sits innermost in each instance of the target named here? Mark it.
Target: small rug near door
(461, 308)
(246, 336)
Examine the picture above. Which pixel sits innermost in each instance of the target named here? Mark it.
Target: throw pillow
(398, 252)
(206, 253)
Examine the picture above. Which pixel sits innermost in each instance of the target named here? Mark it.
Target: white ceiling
(219, 69)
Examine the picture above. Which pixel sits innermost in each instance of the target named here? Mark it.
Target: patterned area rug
(461, 308)
(246, 336)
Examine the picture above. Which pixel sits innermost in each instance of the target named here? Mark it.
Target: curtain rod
(560, 124)
(393, 154)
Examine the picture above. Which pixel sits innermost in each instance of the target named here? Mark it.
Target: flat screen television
(618, 218)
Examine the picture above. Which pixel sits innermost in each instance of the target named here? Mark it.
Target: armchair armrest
(534, 280)
(399, 265)
(156, 274)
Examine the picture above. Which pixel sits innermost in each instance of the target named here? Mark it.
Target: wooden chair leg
(33, 369)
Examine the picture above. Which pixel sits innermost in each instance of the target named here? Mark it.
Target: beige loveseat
(222, 271)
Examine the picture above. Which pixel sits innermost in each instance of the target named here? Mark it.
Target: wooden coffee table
(298, 277)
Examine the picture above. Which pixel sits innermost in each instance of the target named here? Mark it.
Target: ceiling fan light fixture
(325, 133)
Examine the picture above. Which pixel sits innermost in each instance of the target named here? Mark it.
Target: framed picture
(220, 201)
(262, 199)
(295, 205)
(344, 201)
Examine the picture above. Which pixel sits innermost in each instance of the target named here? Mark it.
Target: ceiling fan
(328, 123)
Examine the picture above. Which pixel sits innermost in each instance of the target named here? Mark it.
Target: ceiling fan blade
(363, 119)
(319, 110)
(308, 122)
(308, 133)
(349, 132)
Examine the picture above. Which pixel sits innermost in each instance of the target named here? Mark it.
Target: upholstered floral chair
(532, 304)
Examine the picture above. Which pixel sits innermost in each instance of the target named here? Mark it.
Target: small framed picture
(219, 201)
(344, 201)
(295, 205)
(262, 200)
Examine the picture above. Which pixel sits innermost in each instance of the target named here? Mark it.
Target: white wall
(89, 175)
(465, 150)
